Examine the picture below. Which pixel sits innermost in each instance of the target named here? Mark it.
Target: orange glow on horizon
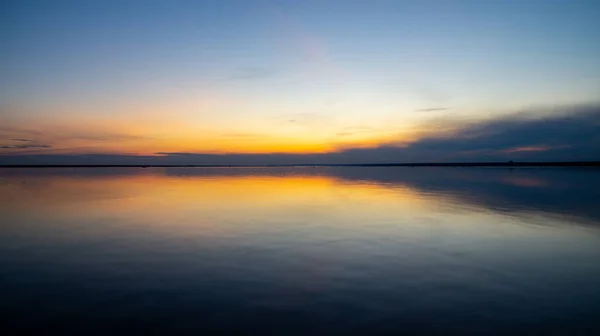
(182, 128)
(152, 137)
(528, 149)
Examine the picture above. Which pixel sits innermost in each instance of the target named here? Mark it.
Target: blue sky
(282, 76)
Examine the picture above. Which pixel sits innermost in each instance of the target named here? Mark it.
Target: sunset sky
(383, 80)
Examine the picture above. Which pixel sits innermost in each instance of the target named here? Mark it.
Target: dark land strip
(419, 164)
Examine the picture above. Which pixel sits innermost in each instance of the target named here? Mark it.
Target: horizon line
(390, 164)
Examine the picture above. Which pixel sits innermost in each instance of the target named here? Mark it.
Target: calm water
(300, 250)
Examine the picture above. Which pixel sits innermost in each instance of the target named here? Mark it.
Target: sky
(332, 81)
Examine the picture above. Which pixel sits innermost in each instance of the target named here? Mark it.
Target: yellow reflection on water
(151, 193)
(234, 202)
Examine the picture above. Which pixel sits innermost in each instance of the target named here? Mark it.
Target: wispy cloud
(65, 138)
(25, 146)
(175, 153)
(23, 143)
(528, 149)
(432, 109)
(307, 119)
(97, 136)
(354, 130)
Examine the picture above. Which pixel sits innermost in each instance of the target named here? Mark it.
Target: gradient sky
(266, 76)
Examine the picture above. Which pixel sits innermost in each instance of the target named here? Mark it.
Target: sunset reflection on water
(323, 248)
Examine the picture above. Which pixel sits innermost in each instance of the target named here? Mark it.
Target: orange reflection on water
(215, 204)
(153, 195)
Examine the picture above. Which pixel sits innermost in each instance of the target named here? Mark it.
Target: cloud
(60, 135)
(354, 130)
(573, 134)
(307, 120)
(175, 153)
(528, 149)
(432, 109)
(25, 146)
(97, 136)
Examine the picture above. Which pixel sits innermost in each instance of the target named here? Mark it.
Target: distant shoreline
(420, 164)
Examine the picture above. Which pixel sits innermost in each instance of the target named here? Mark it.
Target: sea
(300, 251)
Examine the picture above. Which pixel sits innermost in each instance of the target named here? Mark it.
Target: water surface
(309, 250)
